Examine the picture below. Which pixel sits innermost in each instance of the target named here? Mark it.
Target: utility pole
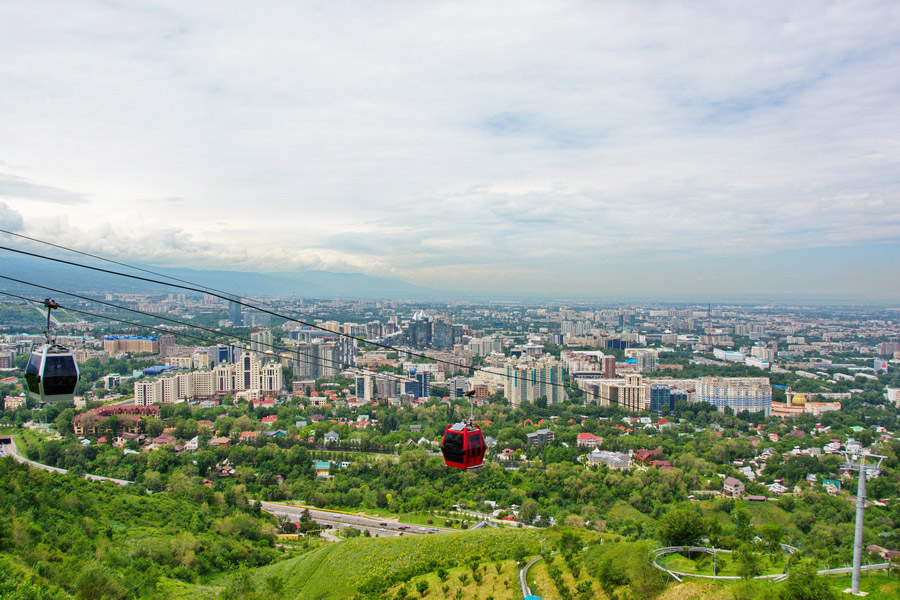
(860, 465)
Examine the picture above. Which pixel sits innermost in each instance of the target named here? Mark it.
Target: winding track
(678, 575)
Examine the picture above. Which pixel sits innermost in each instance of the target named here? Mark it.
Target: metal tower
(857, 461)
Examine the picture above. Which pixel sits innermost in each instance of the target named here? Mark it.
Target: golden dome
(798, 400)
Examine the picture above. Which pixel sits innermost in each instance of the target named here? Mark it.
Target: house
(507, 454)
(541, 436)
(588, 440)
(163, 440)
(883, 552)
(192, 444)
(777, 488)
(490, 442)
(248, 435)
(13, 402)
(331, 437)
(642, 456)
(277, 433)
(269, 420)
(662, 465)
(322, 468)
(616, 461)
(223, 442)
(733, 488)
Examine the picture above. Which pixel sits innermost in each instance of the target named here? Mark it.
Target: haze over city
(537, 148)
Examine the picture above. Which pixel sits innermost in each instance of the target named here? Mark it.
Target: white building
(753, 394)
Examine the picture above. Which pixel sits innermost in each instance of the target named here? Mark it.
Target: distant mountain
(302, 284)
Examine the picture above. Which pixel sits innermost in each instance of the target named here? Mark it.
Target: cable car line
(382, 375)
(163, 330)
(275, 314)
(124, 264)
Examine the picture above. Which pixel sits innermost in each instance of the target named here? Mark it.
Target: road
(10, 449)
(383, 527)
(377, 527)
(523, 574)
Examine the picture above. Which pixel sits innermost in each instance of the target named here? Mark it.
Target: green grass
(178, 590)
(340, 570)
(623, 511)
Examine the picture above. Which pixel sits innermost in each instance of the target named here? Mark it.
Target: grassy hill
(370, 566)
(63, 536)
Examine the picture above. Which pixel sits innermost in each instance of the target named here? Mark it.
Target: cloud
(10, 219)
(16, 187)
(427, 139)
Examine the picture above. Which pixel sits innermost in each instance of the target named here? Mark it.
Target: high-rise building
(365, 387)
(247, 374)
(113, 344)
(660, 398)
(166, 344)
(234, 312)
(319, 359)
(529, 379)
(753, 394)
(262, 341)
(645, 361)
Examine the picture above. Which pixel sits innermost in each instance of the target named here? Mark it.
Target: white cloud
(430, 140)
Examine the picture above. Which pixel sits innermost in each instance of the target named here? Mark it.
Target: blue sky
(581, 147)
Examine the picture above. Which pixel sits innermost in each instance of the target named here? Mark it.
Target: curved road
(523, 574)
(8, 448)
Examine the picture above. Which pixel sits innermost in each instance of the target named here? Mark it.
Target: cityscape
(718, 412)
(544, 300)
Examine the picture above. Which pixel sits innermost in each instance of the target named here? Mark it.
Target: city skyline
(572, 149)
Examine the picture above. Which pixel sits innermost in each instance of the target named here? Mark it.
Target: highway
(377, 527)
(383, 527)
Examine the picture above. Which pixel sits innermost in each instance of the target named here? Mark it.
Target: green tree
(743, 527)
(749, 563)
(804, 584)
(682, 526)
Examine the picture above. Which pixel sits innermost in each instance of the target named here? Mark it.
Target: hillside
(368, 566)
(61, 535)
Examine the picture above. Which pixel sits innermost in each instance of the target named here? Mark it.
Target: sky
(571, 148)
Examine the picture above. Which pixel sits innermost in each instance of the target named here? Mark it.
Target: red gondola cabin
(463, 446)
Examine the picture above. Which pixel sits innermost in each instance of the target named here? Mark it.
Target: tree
(743, 527)
(804, 584)
(772, 534)
(528, 511)
(682, 526)
(749, 563)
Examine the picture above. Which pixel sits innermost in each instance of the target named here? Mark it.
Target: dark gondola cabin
(463, 446)
(51, 374)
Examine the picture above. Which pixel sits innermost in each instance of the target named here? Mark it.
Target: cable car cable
(142, 326)
(124, 264)
(266, 311)
(230, 298)
(190, 325)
